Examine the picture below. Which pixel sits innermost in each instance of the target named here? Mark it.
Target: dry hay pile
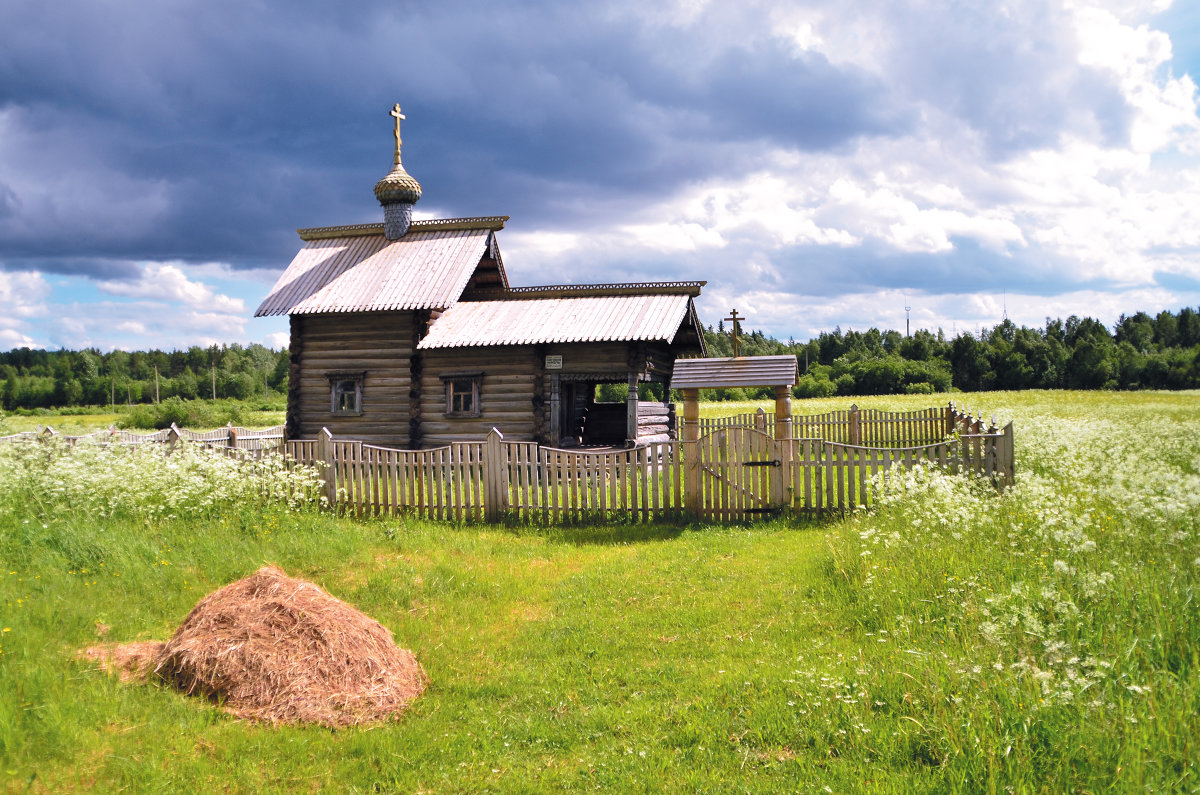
(273, 648)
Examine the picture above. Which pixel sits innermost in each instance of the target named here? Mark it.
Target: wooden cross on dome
(734, 332)
(395, 112)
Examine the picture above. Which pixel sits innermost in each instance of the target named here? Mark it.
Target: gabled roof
(357, 269)
(628, 312)
(740, 371)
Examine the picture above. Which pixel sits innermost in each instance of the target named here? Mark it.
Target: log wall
(506, 394)
(377, 343)
(403, 397)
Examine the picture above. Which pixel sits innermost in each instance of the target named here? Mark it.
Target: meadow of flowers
(148, 481)
(1063, 611)
(949, 639)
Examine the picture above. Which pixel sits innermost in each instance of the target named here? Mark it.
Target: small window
(345, 393)
(462, 394)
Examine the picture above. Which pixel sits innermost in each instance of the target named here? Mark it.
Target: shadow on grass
(605, 531)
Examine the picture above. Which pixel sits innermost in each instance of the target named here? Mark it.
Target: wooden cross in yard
(735, 332)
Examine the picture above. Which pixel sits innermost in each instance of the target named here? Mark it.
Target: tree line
(33, 378)
(1141, 352)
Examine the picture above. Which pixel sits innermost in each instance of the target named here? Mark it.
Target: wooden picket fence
(868, 427)
(495, 479)
(740, 471)
(230, 437)
(736, 471)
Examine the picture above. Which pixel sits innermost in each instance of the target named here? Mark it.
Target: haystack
(273, 648)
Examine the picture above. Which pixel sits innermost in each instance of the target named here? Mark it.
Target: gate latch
(771, 462)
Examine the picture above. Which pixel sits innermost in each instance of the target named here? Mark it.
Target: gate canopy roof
(734, 371)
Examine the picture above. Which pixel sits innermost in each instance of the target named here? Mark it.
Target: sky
(821, 164)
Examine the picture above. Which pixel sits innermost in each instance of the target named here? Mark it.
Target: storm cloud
(814, 148)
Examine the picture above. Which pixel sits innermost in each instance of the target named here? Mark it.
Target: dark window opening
(345, 393)
(462, 394)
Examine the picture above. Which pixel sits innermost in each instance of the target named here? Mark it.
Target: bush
(922, 388)
(194, 414)
(810, 386)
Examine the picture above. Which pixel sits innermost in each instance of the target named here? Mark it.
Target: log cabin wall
(404, 396)
(506, 393)
(377, 344)
(515, 387)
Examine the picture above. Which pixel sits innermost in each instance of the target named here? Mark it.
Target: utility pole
(155, 383)
(907, 326)
(214, 381)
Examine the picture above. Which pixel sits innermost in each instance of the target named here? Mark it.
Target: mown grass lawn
(949, 640)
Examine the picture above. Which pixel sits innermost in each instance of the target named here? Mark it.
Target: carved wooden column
(783, 446)
(631, 411)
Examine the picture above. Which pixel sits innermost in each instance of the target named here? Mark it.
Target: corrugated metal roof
(425, 269)
(615, 318)
(742, 371)
(582, 290)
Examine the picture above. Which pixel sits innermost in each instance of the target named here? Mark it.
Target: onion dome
(397, 187)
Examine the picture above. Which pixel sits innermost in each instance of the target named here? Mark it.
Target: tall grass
(951, 639)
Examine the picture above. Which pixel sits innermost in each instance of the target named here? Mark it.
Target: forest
(1140, 352)
(33, 378)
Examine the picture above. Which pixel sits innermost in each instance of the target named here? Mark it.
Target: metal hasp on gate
(703, 466)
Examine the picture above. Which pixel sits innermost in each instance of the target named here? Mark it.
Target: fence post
(1010, 460)
(329, 471)
(233, 436)
(854, 432)
(174, 438)
(691, 452)
(495, 477)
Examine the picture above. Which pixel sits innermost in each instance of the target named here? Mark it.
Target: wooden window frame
(475, 380)
(336, 380)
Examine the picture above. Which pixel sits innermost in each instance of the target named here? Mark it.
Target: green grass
(198, 415)
(949, 640)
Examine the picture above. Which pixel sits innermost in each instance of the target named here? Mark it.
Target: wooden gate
(742, 474)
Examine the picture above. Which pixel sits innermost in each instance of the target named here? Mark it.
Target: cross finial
(395, 113)
(734, 332)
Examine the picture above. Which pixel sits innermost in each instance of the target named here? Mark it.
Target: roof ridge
(586, 290)
(492, 222)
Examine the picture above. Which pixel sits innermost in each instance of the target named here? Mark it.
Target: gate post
(495, 477)
(783, 447)
(691, 451)
(855, 430)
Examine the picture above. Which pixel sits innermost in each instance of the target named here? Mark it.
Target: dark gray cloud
(1013, 77)
(244, 121)
(92, 267)
(208, 130)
